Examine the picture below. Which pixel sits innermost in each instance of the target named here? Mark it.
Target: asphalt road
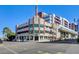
(38, 48)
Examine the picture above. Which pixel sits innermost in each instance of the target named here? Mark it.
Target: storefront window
(41, 37)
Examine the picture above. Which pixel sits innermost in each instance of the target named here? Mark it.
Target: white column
(68, 24)
(43, 37)
(33, 38)
(26, 38)
(53, 17)
(61, 20)
(39, 38)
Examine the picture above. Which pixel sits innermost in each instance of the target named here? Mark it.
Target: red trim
(26, 29)
(39, 25)
(33, 24)
(44, 26)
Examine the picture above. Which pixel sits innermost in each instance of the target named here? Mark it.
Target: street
(38, 48)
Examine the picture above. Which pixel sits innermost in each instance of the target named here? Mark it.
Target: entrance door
(36, 38)
(31, 38)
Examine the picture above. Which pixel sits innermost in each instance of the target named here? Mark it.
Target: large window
(27, 37)
(41, 37)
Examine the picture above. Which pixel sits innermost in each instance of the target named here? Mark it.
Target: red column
(44, 26)
(39, 25)
(33, 25)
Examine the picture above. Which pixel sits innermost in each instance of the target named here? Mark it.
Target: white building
(45, 27)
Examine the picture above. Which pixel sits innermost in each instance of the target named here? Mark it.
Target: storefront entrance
(31, 38)
(64, 35)
(36, 38)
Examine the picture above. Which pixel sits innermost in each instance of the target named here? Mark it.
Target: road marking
(1, 44)
(14, 46)
(10, 50)
(40, 51)
(43, 52)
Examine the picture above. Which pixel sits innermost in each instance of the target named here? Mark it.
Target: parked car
(1, 41)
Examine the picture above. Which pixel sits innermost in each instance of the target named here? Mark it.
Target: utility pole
(37, 18)
(36, 10)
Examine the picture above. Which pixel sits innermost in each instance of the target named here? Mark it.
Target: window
(41, 31)
(47, 32)
(27, 37)
(22, 27)
(24, 37)
(20, 37)
(31, 31)
(36, 25)
(41, 25)
(22, 32)
(31, 25)
(35, 31)
(41, 37)
(45, 37)
(17, 37)
(65, 23)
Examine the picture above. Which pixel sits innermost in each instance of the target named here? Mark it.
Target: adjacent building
(45, 27)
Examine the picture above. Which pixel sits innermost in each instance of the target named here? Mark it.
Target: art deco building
(45, 27)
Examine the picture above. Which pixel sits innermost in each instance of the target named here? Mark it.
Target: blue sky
(10, 15)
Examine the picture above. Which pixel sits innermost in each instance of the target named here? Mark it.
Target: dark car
(1, 41)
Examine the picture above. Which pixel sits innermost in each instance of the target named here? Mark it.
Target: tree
(8, 33)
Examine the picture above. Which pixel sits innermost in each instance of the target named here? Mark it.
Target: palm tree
(8, 33)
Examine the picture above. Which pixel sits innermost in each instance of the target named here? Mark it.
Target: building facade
(45, 27)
